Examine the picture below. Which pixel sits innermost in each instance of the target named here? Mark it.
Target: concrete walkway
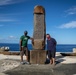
(59, 69)
(10, 65)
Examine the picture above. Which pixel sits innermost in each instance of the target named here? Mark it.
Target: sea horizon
(59, 47)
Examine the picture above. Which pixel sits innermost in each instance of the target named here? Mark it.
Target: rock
(68, 54)
(4, 48)
(74, 50)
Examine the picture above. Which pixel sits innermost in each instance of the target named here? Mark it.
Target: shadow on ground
(59, 59)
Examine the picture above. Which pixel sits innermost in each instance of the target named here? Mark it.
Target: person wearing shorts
(51, 48)
(24, 46)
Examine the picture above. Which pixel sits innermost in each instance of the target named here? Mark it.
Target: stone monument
(38, 54)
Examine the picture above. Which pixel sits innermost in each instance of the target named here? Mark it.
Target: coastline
(59, 47)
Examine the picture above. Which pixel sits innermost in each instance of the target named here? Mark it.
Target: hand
(32, 41)
(20, 48)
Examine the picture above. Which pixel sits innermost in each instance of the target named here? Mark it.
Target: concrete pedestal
(37, 56)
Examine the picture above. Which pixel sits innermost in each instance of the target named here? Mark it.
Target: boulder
(74, 50)
(4, 48)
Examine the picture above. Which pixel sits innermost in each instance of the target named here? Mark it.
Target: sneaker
(22, 63)
(37, 64)
(27, 63)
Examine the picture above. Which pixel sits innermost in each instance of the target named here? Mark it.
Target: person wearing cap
(24, 46)
(51, 48)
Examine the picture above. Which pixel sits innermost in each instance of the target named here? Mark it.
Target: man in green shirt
(23, 46)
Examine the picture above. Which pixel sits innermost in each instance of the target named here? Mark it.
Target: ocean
(59, 47)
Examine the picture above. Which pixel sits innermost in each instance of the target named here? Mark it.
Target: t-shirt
(51, 44)
(24, 40)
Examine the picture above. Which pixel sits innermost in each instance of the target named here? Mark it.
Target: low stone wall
(10, 53)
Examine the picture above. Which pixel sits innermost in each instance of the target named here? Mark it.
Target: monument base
(37, 56)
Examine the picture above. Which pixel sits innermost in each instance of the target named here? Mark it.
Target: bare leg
(22, 53)
(53, 60)
(27, 58)
(27, 61)
(21, 58)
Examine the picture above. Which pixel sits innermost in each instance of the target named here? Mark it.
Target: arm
(20, 45)
(32, 40)
(55, 42)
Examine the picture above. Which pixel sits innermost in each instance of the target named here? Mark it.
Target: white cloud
(11, 14)
(3, 2)
(7, 2)
(71, 11)
(6, 20)
(12, 37)
(71, 24)
(9, 17)
(9, 39)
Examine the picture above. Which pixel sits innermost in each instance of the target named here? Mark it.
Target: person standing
(24, 46)
(51, 47)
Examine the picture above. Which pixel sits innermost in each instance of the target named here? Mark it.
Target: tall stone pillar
(38, 54)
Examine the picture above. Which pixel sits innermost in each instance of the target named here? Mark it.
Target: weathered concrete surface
(65, 65)
(8, 64)
(38, 57)
(2, 74)
(59, 69)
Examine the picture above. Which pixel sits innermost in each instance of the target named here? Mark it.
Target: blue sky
(16, 16)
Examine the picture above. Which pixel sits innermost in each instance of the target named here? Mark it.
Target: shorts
(51, 54)
(24, 51)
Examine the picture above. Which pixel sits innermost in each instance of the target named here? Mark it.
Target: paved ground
(59, 69)
(64, 66)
